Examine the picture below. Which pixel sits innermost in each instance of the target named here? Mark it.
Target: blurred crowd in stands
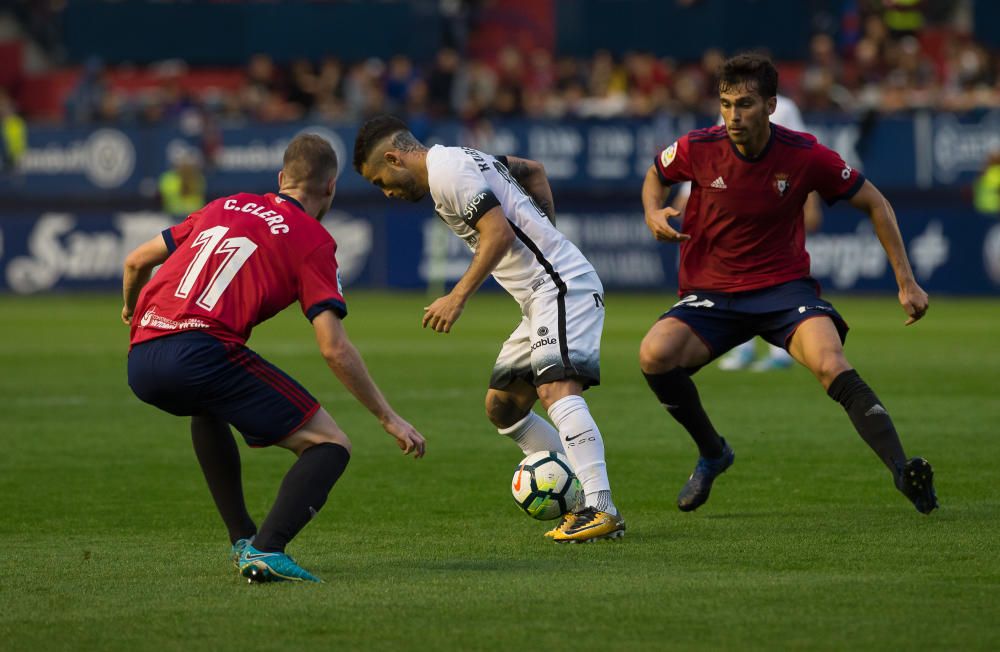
(878, 68)
(881, 72)
(888, 60)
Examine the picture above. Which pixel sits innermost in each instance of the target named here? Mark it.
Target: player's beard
(412, 191)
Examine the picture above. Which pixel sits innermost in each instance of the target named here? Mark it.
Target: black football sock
(679, 396)
(302, 494)
(220, 462)
(870, 418)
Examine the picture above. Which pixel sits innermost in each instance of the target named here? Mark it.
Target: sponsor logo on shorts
(539, 283)
(691, 301)
(545, 341)
(543, 331)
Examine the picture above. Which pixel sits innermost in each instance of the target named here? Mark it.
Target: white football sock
(585, 449)
(533, 434)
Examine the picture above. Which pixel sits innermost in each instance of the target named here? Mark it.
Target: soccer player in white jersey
(502, 208)
(786, 114)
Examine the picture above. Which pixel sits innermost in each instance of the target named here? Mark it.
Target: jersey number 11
(210, 241)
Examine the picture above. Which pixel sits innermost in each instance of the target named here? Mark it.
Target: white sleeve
(460, 188)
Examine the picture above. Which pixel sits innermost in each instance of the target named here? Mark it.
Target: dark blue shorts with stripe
(723, 320)
(195, 374)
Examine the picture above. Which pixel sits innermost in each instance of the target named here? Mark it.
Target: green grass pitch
(110, 540)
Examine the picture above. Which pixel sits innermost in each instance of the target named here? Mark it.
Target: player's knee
(503, 411)
(323, 437)
(829, 366)
(320, 429)
(550, 393)
(655, 357)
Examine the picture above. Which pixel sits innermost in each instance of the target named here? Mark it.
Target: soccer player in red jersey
(744, 270)
(229, 266)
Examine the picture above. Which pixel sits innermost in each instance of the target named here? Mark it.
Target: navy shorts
(726, 319)
(195, 374)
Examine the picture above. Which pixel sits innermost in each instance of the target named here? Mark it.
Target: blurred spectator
(400, 78)
(878, 70)
(987, 187)
(303, 85)
(15, 135)
(648, 83)
(262, 95)
(182, 188)
(85, 99)
(329, 94)
(441, 83)
(903, 17)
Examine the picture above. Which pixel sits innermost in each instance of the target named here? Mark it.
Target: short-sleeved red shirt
(235, 263)
(744, 215)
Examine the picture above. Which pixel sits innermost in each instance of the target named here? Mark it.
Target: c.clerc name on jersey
(272, 217)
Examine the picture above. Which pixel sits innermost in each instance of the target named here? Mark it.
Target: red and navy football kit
(235, 263)
(745, 270)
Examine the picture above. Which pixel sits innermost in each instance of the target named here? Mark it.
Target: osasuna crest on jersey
(781, 184)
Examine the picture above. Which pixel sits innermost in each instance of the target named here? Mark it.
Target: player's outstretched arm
(139, 265)
(911, 296)
(347, 365)
(495, 240)
(654, 194)
(531, 175)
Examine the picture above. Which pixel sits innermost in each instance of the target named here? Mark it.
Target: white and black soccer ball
(544, 486)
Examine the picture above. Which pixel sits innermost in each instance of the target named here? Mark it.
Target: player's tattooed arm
(139, 265)
(495, 240)
(531, 175)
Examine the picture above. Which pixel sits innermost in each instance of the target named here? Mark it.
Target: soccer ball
(544, 485)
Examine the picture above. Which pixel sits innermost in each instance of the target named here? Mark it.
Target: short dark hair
(310, 160)
(750, 68)
(372, 133)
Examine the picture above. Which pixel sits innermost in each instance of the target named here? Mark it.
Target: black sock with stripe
(677, 393)
(302, 494)
(870, 418)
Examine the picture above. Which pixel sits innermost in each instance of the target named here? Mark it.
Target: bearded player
(502, 209)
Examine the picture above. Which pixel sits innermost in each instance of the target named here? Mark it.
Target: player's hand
(443, 313)
(407, 437)
(914, 301)
(127, 315)
(658, 223)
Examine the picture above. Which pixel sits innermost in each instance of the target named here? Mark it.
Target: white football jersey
(466, 183)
